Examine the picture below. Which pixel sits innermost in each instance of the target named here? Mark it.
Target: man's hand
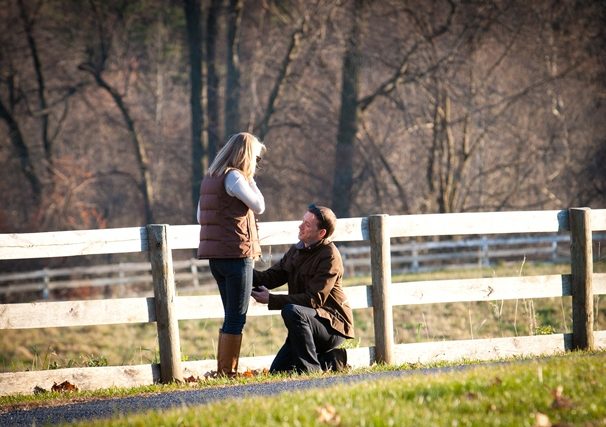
(260, 294)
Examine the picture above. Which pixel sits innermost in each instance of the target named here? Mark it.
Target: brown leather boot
(228, 354)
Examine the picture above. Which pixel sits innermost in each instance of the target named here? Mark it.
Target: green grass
(512, 394)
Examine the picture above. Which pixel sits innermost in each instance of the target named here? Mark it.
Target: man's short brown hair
(327, 219)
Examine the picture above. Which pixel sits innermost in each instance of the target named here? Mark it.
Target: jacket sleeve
(248, 192)
(273, 277)
(317, 284)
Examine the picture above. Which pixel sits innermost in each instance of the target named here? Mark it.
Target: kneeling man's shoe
(334, 360)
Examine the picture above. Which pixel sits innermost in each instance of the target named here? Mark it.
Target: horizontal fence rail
(166, 309)
(135, 278)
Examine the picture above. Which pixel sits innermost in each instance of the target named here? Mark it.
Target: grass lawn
(566, 390)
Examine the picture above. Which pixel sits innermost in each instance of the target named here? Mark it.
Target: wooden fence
(135, 278)
(166, 308)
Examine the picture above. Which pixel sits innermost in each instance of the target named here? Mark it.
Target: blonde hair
(238, 154)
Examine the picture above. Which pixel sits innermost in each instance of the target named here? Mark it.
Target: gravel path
(107, 408)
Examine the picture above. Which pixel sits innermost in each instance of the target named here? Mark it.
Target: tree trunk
(42, 104)
(194, 38)
(232, 89)
(348, 121)
(212, 80)
(23, 152)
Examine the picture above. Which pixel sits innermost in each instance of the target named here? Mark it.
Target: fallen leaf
(211, 374)
(64, 386)
(249, 373)
(541, 420)
(39, 390)
(328, 415)
(559, 400)
(256, 372)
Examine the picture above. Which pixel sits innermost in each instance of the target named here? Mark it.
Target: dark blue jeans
(234, 278)
(308, 336)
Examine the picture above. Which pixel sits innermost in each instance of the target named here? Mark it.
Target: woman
(229, 200)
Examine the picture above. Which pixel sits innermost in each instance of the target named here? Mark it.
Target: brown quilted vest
(227, 226)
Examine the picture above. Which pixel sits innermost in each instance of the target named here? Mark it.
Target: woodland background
(110, 110)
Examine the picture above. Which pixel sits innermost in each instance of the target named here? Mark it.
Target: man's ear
(323, 233)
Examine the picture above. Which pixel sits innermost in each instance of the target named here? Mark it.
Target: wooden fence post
(415, 257)
(194, 273)
(46, 286)
(380, 266)
(163, 275)
(582, 270)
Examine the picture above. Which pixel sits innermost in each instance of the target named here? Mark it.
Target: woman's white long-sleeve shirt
(237, 186)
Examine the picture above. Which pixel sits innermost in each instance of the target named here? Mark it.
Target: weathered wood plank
(478, 223)
(351, 230)
(71, 243)
(210, 307)
(273, 233)
(199, 307)
(134, 239)
(83, 378)
(137, 375)
(184, 236)
(599, 283)
(483, 289)
(77, 313)
(141, 310)
(598, 219)
(361, 357)
(481, 349)
(270, 233)
(488, 349)
(282, 233)
(359, 296)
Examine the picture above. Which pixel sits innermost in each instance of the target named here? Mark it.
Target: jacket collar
(301, 246)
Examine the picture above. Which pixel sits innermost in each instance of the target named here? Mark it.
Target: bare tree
(212, 78)
(20, 146)
(232, 84)
(439, 106)
(33, 110)
(95, 64)
(193, 17)
(42, 102)
(352, 105)
(348, 117)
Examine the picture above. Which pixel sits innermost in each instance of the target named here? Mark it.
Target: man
(315, 310)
